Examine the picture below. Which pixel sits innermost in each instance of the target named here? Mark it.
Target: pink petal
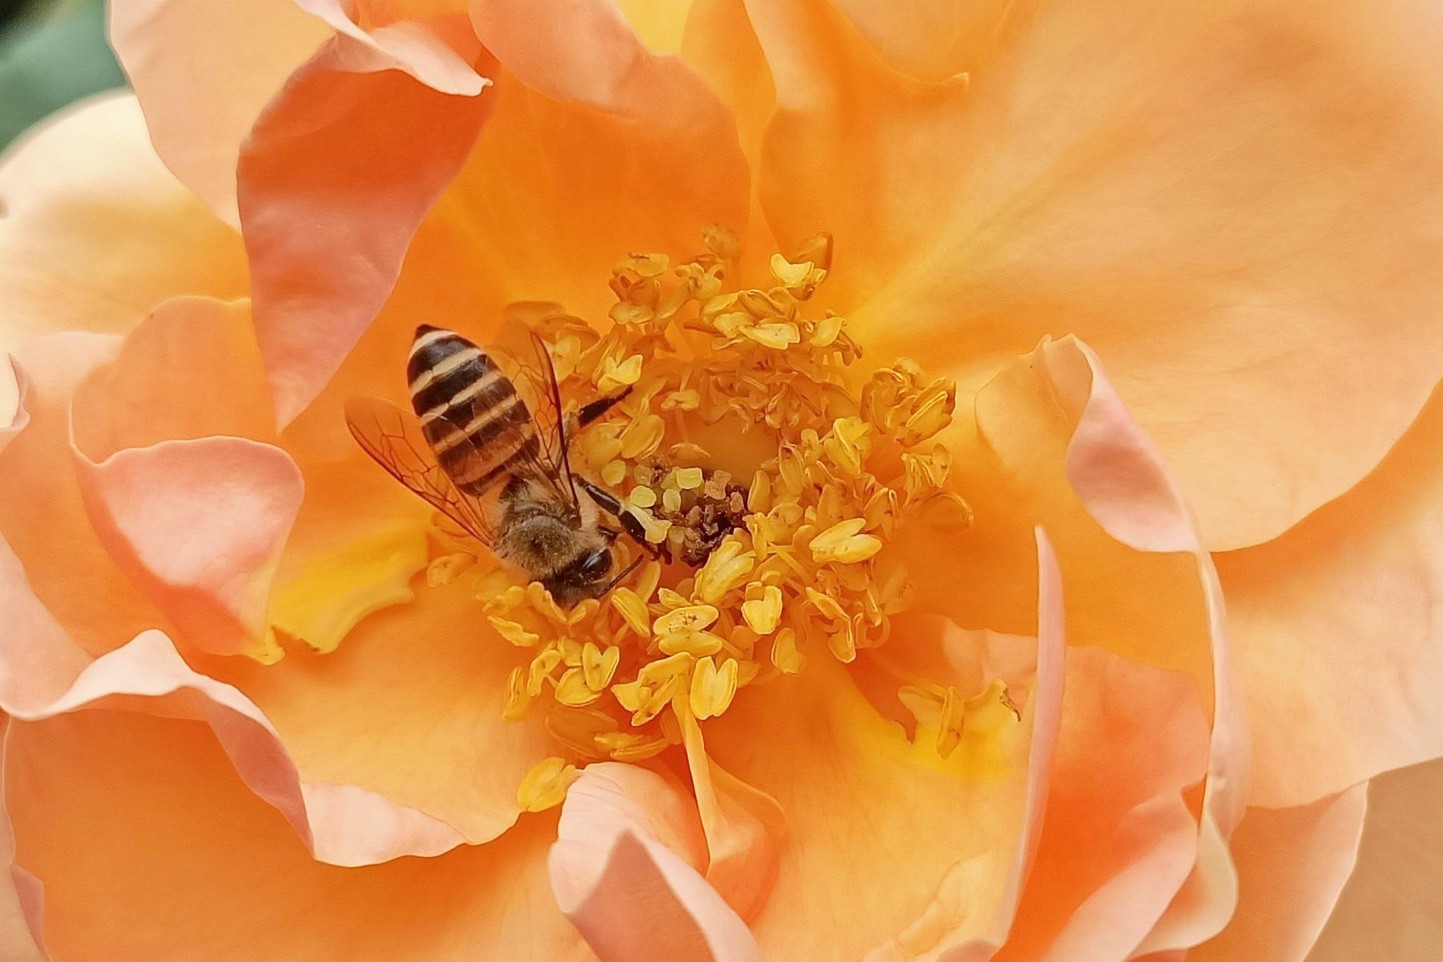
(199, 525)
(621, 873)
(1292, 863)
(202, 70)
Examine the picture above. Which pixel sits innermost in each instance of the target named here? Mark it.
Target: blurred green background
(51, 52)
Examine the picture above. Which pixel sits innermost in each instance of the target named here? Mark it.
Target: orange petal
(1292, 863)
(147, 845)
(1389, 907)
(69, 188)
(410, 707)
(1228, 216)
(42, 515)
(625, 870)
(1337, 636)
(943, 849)
(744, 828)
(325, 216)
(202, 70)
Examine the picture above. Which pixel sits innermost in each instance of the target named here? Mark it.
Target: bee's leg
(625, 571)
(590, 412)
(611, 504)
(609, 533)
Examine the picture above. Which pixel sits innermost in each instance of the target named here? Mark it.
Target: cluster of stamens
(751, 575)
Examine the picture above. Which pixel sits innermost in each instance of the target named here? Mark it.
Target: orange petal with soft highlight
(625, 870)
(106, 790)
(1233, 203)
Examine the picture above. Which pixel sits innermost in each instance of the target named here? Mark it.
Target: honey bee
(499, 461)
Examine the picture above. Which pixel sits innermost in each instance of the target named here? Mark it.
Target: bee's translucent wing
(386, 434)
(527, 360)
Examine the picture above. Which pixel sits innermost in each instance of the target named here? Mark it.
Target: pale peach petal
(1292, 864)
(660, 24)
(744, 828)
(1389, 908)
(198, 525)
(39, 669)
(17, 942)
(20, 416)
(1336, 627)
(326, 219)
(203, 861)
(428, 40)
(625, 870)
(933, 41)
(68, 189)
(409, 707)
(943, 848)
(189, 370)
(1056, 408)
(1119, 837)
(42, 515)
(202, 70)
(1234, 203)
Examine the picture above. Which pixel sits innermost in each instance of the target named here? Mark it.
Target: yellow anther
(542, 603)
(689, 618)
(848, 445)
(518, 699)
(629, 747)
(541, 668)
(785, 654)
(688, 451)
(843, 542)
(598, 666)
(843, 643)
(691, 641)
(642, 497)
(632, 610)
(577, 728)
(572, 689)
(712, 688)
(826, 604)
(632, 694)
(613, 473)
(514, 632)
(624, 312)
(653, 528)
(545, 785)
(675, 666)
(681, 401)
(602, 444)
(726, 567)
(445, 569)
(826, 331)
(613, 376)
(646, 582)
(763, 614)
(731, 324)
(642, 436)
(584, 610)
(671, 599)
(817, 249)
(645, 265)
(689, 479)
(777, 335)
(759, 495)
(722, 241)
(932, 414)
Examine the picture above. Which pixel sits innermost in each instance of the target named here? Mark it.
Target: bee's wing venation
(383, 432)
(550, 419)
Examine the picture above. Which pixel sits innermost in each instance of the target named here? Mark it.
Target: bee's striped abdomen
(470, 413)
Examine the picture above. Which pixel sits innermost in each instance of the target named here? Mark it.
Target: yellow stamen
(545, 785)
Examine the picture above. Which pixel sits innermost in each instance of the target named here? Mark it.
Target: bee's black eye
(597, 564)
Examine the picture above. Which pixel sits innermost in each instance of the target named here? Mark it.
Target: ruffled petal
(942, 843)
(1234, 204)
(1051, 443)
(1337, 635)
(1389, 907)
(147, 844)
(202, 71)
(1292, 863)
(625, 871)
(198, 525)
(42, 515)
(326, 219)
(409, 707)
(68, 189)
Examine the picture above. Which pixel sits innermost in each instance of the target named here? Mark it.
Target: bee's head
(583, 578)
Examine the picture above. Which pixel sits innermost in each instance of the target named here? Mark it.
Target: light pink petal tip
(625, 871)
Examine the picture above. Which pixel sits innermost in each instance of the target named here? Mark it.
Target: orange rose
(960, 685)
